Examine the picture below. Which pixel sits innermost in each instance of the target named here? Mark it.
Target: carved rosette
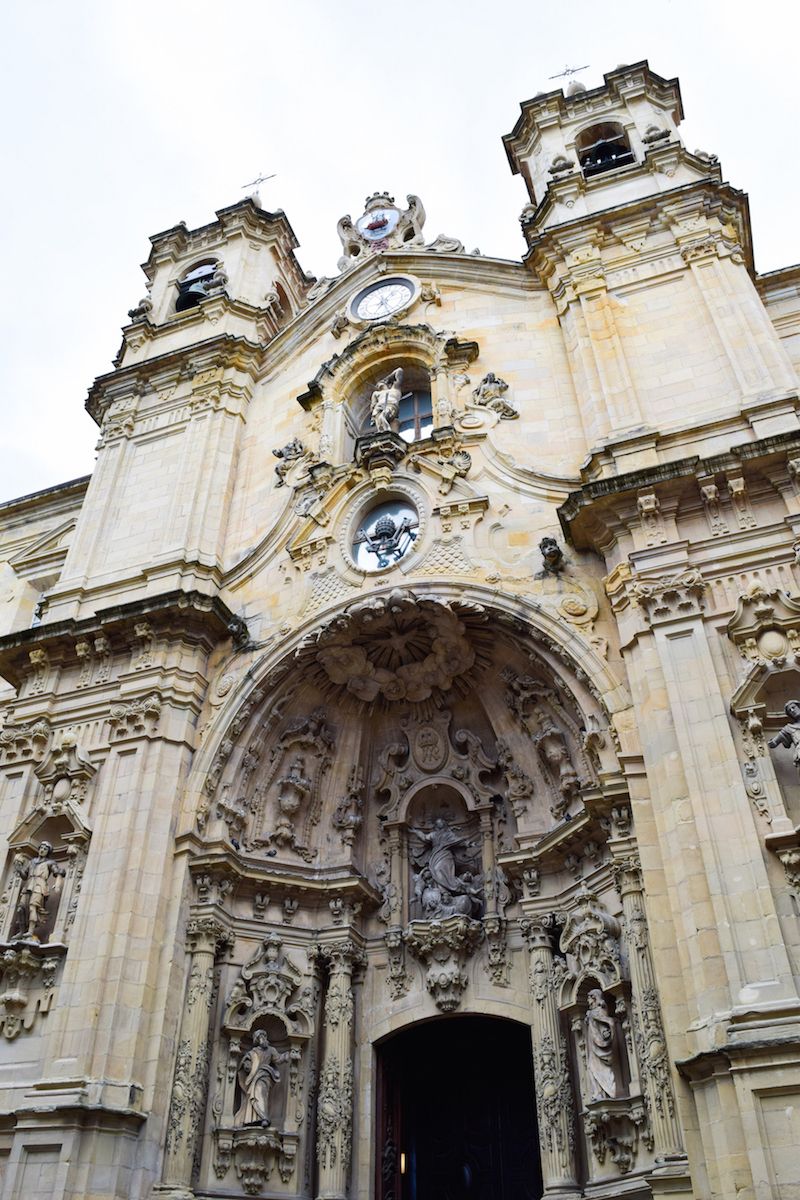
(444, 948)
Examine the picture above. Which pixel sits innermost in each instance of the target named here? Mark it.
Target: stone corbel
(444, 947)
(137, 719)
(20, 743)
(256, 1152)
(614, 1128)
(27, 980)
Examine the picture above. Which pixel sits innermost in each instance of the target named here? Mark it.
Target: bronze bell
(190, 294)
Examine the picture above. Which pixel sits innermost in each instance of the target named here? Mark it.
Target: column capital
(340, 957)
(537, 930)
(206, 935)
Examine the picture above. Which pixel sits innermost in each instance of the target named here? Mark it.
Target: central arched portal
(456, 1113)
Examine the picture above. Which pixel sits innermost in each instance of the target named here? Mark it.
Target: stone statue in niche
(789, 736)
(41, 880)
(602, 1050)
(447, 873)
(257, 1074)
(385, 403)
(287, 455)
(293, 790)
(491, 393)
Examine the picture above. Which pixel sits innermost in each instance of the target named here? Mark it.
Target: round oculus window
(383, 299)
(385, 535)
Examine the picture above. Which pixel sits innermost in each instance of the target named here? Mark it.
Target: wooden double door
(456, 1113)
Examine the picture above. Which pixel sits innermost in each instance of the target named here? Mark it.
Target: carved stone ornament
(286, 801)
(590, 939)
(256, 1152)
(287, 455)
(554, 734)
(491, 393)
(27, 982)
(348, 815)
(383, 226)
(395, 647)
(667, 599)
(766, 626)
(265, 983)
(614, 1128)
(553, 1094)
(444, 948)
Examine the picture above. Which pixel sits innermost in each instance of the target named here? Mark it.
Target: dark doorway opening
(456, 1113)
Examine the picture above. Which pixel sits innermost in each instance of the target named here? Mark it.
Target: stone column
(651, 1042)
(335, 1100)
(205, 937)
(554, 1100)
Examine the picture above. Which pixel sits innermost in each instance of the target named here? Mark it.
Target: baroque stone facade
(482, 702)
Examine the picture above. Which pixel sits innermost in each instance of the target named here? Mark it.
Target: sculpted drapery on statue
(258, 1072)
(445, 885)
(39, 878)
(601, 1048)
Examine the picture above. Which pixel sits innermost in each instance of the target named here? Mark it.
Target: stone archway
(456, 1114)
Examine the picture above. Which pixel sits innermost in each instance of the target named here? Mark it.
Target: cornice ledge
(722, 1060)
(125, 379)
(593, 491)
(192, 607)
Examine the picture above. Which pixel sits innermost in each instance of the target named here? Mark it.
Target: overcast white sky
(123, 118)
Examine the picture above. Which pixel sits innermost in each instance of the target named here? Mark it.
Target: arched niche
(386, 701)
(342, 385)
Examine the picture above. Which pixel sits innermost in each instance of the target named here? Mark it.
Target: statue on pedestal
(601, 1049)
(32, 907)
(385, 403)
(257, 1074)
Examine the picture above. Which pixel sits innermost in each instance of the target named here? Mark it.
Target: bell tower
(617, 202)
(586, 150)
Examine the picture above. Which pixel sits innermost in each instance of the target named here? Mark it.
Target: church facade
(399, 788)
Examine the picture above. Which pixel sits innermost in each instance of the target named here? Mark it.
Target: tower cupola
(596, 148)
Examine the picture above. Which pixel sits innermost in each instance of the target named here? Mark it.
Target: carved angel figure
(789, 736)
(385, 402)
(445, 884)
(257, 1073)
(491, 393)
(601, 1048)
(32, 905)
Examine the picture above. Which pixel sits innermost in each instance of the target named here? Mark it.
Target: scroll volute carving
(285, 803)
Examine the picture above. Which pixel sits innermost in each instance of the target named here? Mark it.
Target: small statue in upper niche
(257, 1074)
(385, 403)
(287, 455)
(789, 736)
(491, 393)
(601, 1049)
(293, 790)
(32, 908)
